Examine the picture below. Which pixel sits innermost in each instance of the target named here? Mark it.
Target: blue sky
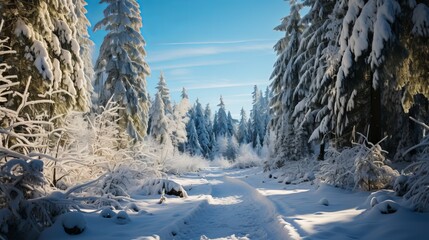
(210, 47)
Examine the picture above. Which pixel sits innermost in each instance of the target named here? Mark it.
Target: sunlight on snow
(225, 200)
(270, 192)
(310, 222)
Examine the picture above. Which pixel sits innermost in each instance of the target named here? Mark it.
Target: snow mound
(122, 218)
(107, 213)
(133, 207)
(374, 201)
(387, 207)
(155, 186)
(324, 202)
(73, 223)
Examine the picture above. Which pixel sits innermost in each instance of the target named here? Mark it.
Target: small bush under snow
(107, 212)
(122, 218)
(157, 186)
(247, 157)
(73, 223)
(180, 163)
(324, 201)
(362, 166)
(387, 207)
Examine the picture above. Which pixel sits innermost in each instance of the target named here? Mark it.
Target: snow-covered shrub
(337, 169)
(295, 172)
(324, 202)
(74, 223)
(221, 162)
(107, 212)
(158, 186)
(122, 218)
(247, 157)
(387, 207)
(180, 163)
(371, 171)
(362, 166)
(413, 183)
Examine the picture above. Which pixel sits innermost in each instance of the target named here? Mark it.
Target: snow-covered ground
(246, 204)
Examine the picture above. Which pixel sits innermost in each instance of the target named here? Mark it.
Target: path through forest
(234, 210)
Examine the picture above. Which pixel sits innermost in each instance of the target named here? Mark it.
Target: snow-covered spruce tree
(374, 53)
(285, 78)
(159, 130)
(193, 146)
(209, 127)
(231, 149)
(221, 120)
(165, 94)
(180, 116)
(200, 127)
(257, 116)
(121, 69)
(231, 125)
(86, 45)
(242, 133)
(46, 41)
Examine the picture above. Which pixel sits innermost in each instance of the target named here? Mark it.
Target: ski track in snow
(234, 209)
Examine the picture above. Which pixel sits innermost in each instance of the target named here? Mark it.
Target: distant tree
(200, 126)
(121, 69)
(160, 131)
(222, 120)
(165, 94)
(243, 134)
(192, 145)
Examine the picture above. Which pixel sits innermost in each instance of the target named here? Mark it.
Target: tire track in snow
(234, 208)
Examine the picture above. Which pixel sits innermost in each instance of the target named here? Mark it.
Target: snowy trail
(234, 208)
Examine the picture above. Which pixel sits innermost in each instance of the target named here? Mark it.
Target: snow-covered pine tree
(256, 116)
(86, 45)
(46, 41)
(231, 125)
(209, 126)
(285, 79)
(159, 130)
(242, 133)
(200, 127)
(221, 120)
(165, 94)
(181, 118)
(193, 146)
(121, 69)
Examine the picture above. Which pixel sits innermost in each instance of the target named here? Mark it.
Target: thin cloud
(216, 42)
(175, 54)
(221, 85)
(191, 65)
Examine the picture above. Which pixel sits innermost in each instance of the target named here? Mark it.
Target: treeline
(193, 129)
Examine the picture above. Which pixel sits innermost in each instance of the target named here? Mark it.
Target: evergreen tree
(200, 126)
(181, 118)
(47, 44)
(242, 134)
(165, 94)
(193, 146)
(160, 131)
(230, 125)
(222, 121)
(120, 68)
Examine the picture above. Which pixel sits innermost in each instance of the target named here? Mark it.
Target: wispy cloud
(190, 65)
(217, 42)
(174, 54)
(222, 85)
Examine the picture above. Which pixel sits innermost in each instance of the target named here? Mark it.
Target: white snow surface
(246, 204)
